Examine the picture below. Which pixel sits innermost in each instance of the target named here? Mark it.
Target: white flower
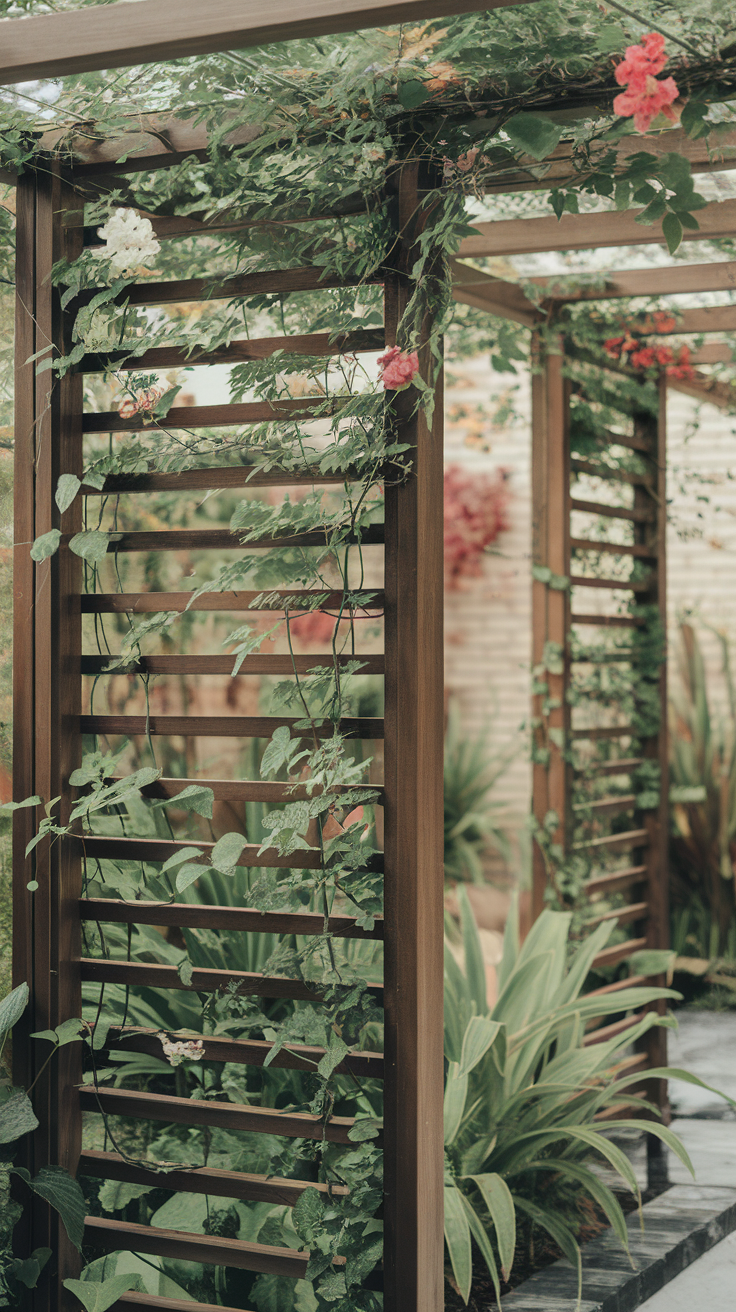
(129, 240)
(176, 1053)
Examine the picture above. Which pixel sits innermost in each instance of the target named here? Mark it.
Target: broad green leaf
(583, 1175)
(412, 93)
(336, 1053)
(475, 970)
(478, 1231)
(68, 1032)
(308, 1212)
(560, 1232)
(66, 490)
(12, 1007)
(98, 1295)
(535, 135)
(62, 1191)
(479, 1037)
(672, 231)
(178, 859)
(510, 943)
(652, 961)
(662, 1132)
(18, 806)
(497, 1198)
(116, 1194)
(457, 1238)
(195, 797)
(17, 1117)
(47, 545)
(188, 874)
(227, 850)
(456, 1092)
(91, 545)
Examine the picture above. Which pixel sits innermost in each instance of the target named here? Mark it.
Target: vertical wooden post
(414, 880)
(550, 606)
(48, 681)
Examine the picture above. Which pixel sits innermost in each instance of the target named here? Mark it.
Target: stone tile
(705, 1044)
(711, 1146)
(708, 1285)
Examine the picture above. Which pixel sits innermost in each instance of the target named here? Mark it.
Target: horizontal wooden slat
(632, 982)
(620, 951)
(607, 805)
(220, 476)
(592, 657)
(238, 352)
(219, 726)
(116, 1236)
(629, 1110)
(193, 915)
(624, 765)
(616, 881)
(143, 603)
(269, 282)
(705, 319)
(675, 279)
(223, 539)
(622, 585)
(615, 842)
(116, 848)
(622, 915)
(250, 790)
(610, 621)
(138, 974)
(606, 1032)
(217, 1115)
(202, 1180)
(213, 416)
(246, 1052)
(639, 515)
(605, 471)
(138, 1301)
(607, 731)
(614, 548)
(255, 664)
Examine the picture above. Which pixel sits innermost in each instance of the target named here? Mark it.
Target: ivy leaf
(672, 230)
(47, 545)
(68, 1032)
(337, 1050)
(534, 134)
(186, 973)
(66, 490)
(307, 1213)
(91, 546)
(226, 851)
(98, 1295)
(17, 1117)
(195, 798)
(364, 1128)
(12, 1007)
(280, 751)
(187, 875)
(116, 1194)
(412, 93)
(18, 806)
(26, 1271)
(64, 1194)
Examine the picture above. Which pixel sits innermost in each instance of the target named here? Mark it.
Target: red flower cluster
(476, 511)
(398, 368)
(633, 351)
(315, 629)
(646, 96)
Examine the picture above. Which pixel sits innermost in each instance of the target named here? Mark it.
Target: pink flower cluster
(398, 368)
(315, 628)
(143, 402)
(476, 511)
(646, 96)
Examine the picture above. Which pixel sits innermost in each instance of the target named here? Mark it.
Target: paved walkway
(709, 1285)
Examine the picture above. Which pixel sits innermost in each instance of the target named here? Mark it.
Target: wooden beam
(56, 45)
(577, 232)
(709, 319)
(703, 388)
(505, 300)
(713, 353)
(671, 280)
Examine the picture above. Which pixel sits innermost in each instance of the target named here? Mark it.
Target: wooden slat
(614, 548)
(194, 915)
(104, 848)
(622, 915)
(608, 731)
(267, 282)
(616, 881)
(137, 1301)
(219, 726)
(709, 319)
(255, 664)
(56, 45)
(606, 471)
(712, 353)
(625, 765)
(610, 621)
(607, 1032)
(213, 416)
(121, 603)
(611, 956)
(250, 790)
(136, 974)
(203, 1180)
(196, 480)
(115, 1236)
(607, 805)
(575, 232)
(614, 842)
(217, 1115)
(641, 515)
(632, 982)
(619, 585)
(629, 1110)
(676, 278)
(237, 352)
(222, 539)
(246, 1052)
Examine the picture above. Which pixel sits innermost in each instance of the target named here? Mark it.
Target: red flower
(642, 60)
(664, 322)
(682, 367)
(646, 96)
(644, 358)
(398, 368)
(664, 355)
(613, 347)
(476, 511)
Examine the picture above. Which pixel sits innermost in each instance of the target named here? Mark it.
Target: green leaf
(47, 545)
(186, 973)
(497, 1198)
(457, 1238)
(116, 1194)
(26, 1271)
(64, 1194)
(18, 806)
(412, 93)
(12, 1007)
(98, 1295)
(189, 874)
(66, 490)
(560, 1232)
(478, 1231)
(17, 1117)
(335, 1053)
(68, 1032)
(456, 1093)
(91, 545)
(655, 210)
(185, 854)
(535, 135)
(672, 229)
(227, 850)
(307, 1214)
(480, 1035)
(195, 797)
(475, 970)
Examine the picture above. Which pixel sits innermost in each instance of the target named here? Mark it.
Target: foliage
(473, 821)
(523, 1089)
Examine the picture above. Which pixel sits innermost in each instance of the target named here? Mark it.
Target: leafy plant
(473, 822)
(523, 1090)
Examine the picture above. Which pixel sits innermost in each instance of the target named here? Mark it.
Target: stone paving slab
(680, 1225)
(709, 1284)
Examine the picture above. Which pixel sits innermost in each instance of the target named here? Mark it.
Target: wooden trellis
(49, 667)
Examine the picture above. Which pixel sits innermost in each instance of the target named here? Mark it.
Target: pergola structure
(49, 663)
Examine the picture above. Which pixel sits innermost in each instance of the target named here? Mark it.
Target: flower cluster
(646, 96)
(186, 1050)
(143, 402)
(630, 349)
(476, 511)
(398, 368)
(316, 628)
(129, 240)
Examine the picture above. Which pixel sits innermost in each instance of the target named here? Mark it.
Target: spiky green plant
(522, 1092)
(473, 821)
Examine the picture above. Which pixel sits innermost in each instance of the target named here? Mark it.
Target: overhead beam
(713, 353)
(669, 281)
(149, 31)
(503, 299)
(711, 319)
(703, 388)
(577, 232)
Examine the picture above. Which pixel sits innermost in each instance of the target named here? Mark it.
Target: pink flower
(646, 96)
(466, 161)
(143, 402)
(398, 368)
(642, 60)
(476, 511)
